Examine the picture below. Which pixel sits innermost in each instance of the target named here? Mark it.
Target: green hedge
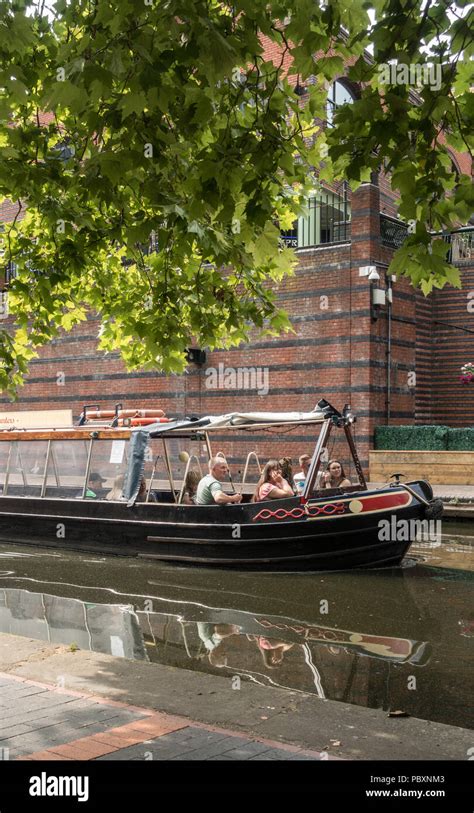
(426, 438)
(461, 440)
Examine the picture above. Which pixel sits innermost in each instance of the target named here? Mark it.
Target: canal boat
(114, 486)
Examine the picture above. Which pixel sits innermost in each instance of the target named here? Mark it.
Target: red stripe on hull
(385, 501)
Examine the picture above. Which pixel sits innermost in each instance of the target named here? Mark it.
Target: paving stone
(221, 746)
(83, 751)
(221, 758)
(119, 756)
(271, 754)
(305, 758)
(248, 749)
(137, 752)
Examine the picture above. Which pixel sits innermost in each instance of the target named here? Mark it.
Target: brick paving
(43, 722)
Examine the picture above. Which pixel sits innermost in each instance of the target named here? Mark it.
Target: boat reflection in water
(274, 650)
(271, 649)
(394, 639)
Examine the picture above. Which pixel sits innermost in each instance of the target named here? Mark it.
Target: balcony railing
(461, 249)
(327, 221)
(393, 232)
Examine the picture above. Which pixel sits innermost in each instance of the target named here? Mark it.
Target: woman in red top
(272, 486)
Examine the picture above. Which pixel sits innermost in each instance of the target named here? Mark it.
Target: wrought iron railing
(461, 249)
(393, 232)
(328, 220)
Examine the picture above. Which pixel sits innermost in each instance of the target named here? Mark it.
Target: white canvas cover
(265, 418)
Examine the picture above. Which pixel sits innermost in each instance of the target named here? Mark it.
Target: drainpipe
(389, 296)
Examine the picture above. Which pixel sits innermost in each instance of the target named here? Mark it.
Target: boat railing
(192, 458)
(246, 468)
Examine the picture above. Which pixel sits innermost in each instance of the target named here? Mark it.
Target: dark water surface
(397, 639)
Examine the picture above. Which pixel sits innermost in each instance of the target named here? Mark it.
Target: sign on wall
(36, 419)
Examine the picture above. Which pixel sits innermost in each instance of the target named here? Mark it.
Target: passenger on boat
(142, 492)
(190, 488)
(95, 485)
(272, 486)
(286, 466)
(300, 477)
(335, 476)
(209, 490)
(116, 492)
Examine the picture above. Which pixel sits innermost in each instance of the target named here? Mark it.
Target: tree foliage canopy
(127, 118)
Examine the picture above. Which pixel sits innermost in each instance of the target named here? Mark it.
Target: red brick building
(394, 362)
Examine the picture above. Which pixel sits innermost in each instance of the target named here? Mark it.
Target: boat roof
(178, 426)
(235, 420)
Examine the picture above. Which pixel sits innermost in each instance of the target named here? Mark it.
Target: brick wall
(452, 345)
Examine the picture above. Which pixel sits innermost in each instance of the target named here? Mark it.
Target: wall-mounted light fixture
(366, 270)
(377, 295)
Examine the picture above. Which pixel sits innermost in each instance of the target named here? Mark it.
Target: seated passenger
(335, 476)
(94, 486)
(287, 471)
(190, 488)
(300, 477)
(116, 492)
(272, 486)
(142, 492)
(209, 490)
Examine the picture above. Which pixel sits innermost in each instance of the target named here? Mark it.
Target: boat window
(27, 468)
(67, 464)
(108, 462)
(4, 458)
(168, 462)
(155, 472)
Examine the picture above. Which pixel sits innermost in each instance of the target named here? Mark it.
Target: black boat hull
(336, 531)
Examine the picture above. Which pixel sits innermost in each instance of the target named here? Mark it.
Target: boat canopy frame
(325, 414)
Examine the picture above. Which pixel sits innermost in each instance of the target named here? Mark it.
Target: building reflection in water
(109, 628)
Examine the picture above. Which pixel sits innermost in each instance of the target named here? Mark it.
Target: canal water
(397, 639)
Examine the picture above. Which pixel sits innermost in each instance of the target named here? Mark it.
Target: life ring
(141, 421)
(100, 414)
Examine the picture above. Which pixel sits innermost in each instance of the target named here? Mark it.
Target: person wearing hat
(94, 485)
